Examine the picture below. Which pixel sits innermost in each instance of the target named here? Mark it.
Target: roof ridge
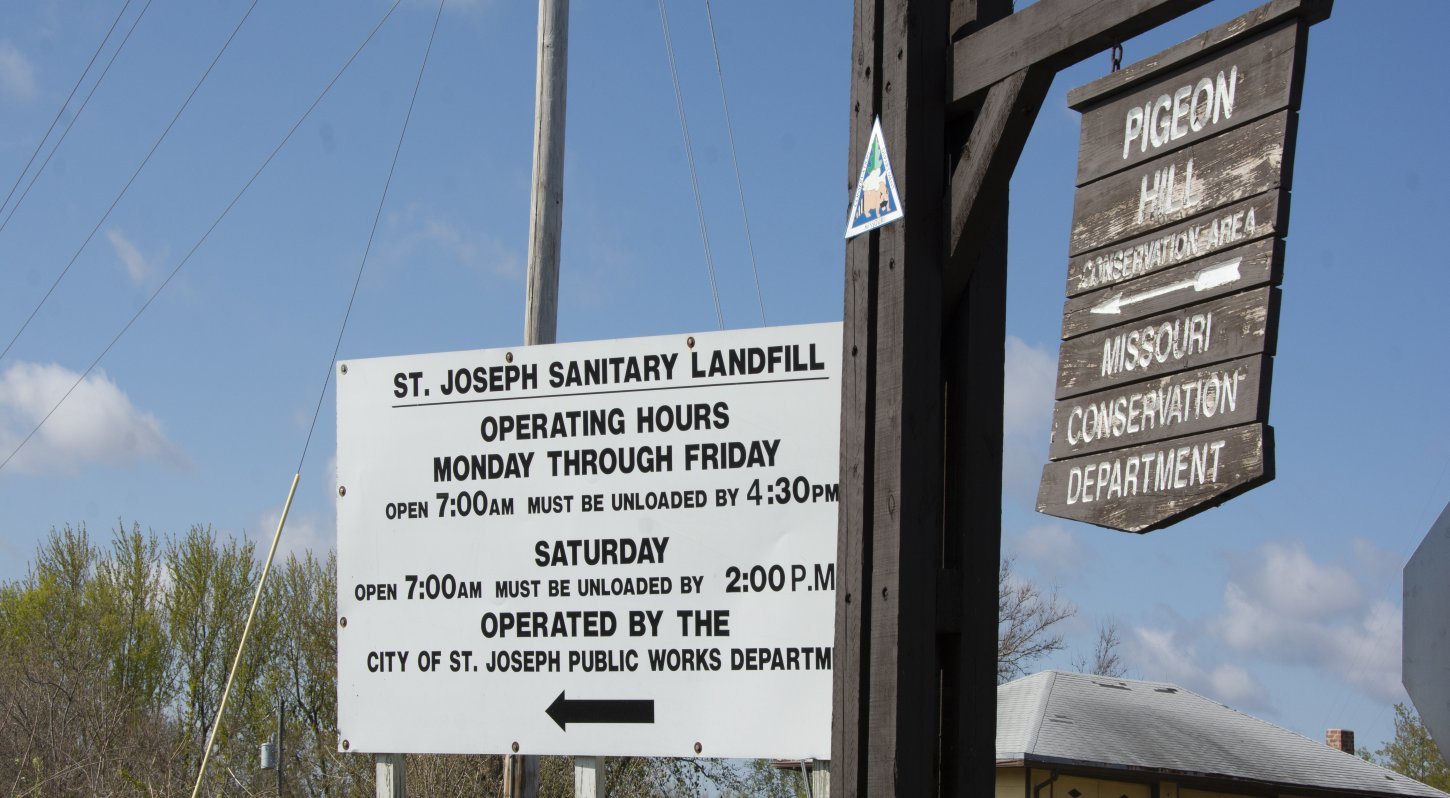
(1387, 772)
(1042, 713)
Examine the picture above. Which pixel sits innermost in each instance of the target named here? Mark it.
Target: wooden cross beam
(914, 691)
(1003, 71)
(1053, 34)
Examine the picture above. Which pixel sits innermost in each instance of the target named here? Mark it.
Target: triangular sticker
(877, 201)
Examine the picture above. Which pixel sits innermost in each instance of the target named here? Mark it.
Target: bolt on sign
(1174, 262)
(617, 548)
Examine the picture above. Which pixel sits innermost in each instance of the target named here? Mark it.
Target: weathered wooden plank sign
(1191, 103)
(1144, 487)
(1175, 254)
(1261, 216)
(1235, 270)
(1184, 403)
(1203, 177)
(1190, 337)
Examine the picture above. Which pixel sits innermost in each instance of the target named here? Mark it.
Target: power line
(70, 124)
(378, 215)
(262, 581)
(61, 111)
(739, 184)
(205, 235)
(690, 159)
(127, 187)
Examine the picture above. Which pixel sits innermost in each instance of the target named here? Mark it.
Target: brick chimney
(1341, 739)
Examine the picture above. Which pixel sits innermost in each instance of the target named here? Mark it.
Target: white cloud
(471, 249)
(97, 423)
(17, 74)
(1029, 377)
(136, 266)
(422, 234)
(1166, 656)
(1284, 607)
(606, 263)
(314, 531)
(304, 532)
(1053, 548)
(1285, 579)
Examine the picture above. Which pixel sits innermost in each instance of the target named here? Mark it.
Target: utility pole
(546, 203)
(546, 221)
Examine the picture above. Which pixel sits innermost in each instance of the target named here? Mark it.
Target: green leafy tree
(303, 593)
(1413, 753)
(128, 586)
(82, 684)
(212, 584)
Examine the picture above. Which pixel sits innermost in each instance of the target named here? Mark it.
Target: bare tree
(1027, 621)
(1105, 658)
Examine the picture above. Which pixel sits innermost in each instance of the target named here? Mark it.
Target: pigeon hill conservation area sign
(1175, 255)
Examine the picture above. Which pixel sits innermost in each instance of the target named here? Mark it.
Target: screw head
(346, 745)
(515, 746)
(690, 342)
(508, 357)
(342, 490)
(342, 621)
(343, 368)
(698, 747)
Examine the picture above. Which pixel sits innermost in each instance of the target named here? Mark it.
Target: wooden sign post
(957, 86)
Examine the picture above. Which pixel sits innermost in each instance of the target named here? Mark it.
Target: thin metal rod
(246, 630)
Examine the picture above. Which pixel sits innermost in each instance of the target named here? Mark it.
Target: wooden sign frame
(957, 86)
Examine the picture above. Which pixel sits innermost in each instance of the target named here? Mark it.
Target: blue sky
(1284, 602)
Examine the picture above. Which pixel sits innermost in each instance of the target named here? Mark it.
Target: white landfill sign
(612, 548)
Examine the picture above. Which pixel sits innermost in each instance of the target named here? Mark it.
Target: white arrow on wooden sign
(1206, 279)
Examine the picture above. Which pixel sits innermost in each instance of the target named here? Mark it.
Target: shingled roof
(1153, 728)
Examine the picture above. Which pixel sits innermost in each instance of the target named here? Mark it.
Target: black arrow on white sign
(564, 711)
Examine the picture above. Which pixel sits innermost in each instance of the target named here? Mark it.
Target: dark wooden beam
(973, 304)
(887, 676)
(850, 720)
(916, 627)
(1053, 34)
(974, 334)
(984, 169)
(907, 505)
(1210, 41)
